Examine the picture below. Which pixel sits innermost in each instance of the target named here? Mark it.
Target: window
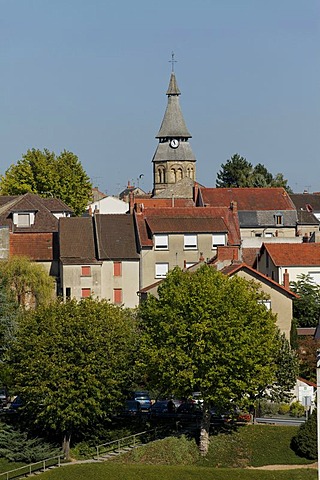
(190, 242)
(23, 220)
(266, 303)
(278, 219)
(68, 292)
(86, 271)
(218, 239)
(85, 292)
(117, 295)
(161, 270)
(117, 269)
(161, 242)
(190, 264)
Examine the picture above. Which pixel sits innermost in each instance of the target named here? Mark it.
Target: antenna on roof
(172, 61)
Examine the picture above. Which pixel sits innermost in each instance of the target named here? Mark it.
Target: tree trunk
(204, 430)
(66, 445)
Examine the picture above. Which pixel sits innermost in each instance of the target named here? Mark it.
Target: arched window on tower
(179, 174)
(161, 175)
(174, 175)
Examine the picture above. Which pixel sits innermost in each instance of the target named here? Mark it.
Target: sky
(90, 76)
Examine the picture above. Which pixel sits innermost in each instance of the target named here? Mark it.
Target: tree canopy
(207, 332)
(238, 172)
(71, 362)
(45, 173)
(306, 308)
(29, 282)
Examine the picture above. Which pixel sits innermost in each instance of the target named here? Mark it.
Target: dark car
(16, 404)
(190, 409)
(131, 408)
(144, 399)
(159, 408)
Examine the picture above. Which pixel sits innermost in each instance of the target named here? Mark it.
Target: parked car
(131, 408)
(3, 397)
(16, 404)
(159, 408)
(144, 399)
(189, 409)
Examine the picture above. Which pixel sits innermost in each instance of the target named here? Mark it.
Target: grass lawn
(115, 471)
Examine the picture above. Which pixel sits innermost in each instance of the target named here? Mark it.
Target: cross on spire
(172, 61)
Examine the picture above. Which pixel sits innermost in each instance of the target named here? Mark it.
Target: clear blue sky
(90, 76)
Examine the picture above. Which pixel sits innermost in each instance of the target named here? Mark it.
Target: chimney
(234, 206)
(201, 258)
(90, 210)
(286, 282)
(131, 202)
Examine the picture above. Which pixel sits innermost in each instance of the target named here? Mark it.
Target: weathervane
(172, 61)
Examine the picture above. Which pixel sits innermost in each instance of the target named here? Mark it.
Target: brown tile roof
(249, 255)
(36, 246)
(293, 254)
(177, 219)
(155, 202)
(76, 240)
(236, 267)
(45, 221)
(309, 202)
(248, 198)
(116, 237)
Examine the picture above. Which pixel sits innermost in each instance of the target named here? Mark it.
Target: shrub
(305, 442)
(296, 409)
(284, 409)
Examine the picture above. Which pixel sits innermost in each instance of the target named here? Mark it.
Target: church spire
(174, 159)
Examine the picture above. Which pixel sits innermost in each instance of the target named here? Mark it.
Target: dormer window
(23, 219)
(278, 219)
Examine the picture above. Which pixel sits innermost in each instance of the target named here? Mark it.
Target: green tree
(305, 443)
(238, 172)
(9, 315)
(46, 174)
(306, 308)
(207, 332)
(287, 371)
(29, 282)
(71, 362)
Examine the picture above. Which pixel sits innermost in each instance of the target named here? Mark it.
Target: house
(280, 296)
(99, 258)
(276, 259)
(263, 212)
(308, 211)
(29, 227)
(180, 236)
(107, 204)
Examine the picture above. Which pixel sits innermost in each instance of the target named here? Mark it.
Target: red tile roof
(293, 254)
(236, 267)
(248, 198)
(186, 220)
(36, 246)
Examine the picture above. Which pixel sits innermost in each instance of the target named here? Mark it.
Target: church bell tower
(173, 159)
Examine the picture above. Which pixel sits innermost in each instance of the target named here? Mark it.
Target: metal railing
(131, 441)
(32, 467)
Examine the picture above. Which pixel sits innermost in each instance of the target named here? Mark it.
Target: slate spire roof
(173, 124)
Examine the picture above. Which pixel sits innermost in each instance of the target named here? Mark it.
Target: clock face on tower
(174, 143)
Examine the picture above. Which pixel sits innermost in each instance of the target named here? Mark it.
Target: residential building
(276, 259)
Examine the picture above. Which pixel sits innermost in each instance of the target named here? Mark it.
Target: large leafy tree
(29, 282)
(71, 362)
(45, 173)
(238, 172)
(207, 332)
(306, 308)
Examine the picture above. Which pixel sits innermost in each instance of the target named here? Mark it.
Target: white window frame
(190, 241)
(19, 219)
(161, 241)
(161, 270)
(190, 264)
(218, 239)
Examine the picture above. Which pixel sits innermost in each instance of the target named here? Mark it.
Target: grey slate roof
(265, 218)
(116, 239)
(76, 238)
(173, 124)
(165, 153)
(306, 201)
